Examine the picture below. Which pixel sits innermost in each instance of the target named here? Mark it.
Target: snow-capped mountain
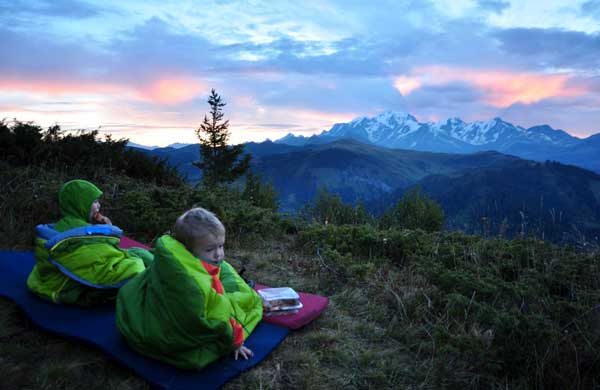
(403, 131)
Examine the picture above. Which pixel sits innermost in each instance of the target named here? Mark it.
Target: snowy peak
(394, 118)
(401, 130)
(381, 128)
(482, 133)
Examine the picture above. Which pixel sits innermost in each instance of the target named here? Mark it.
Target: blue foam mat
(97, 326)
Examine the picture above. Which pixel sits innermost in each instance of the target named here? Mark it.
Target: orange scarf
(213, 271)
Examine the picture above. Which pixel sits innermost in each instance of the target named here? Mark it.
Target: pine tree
(220, 163)
(260, 194)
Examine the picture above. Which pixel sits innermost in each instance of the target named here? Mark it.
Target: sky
(143, 70)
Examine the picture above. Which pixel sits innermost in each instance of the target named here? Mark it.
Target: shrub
(476, 313)
(26, 144)
(260, 194)
(328, 208)
(414, 211)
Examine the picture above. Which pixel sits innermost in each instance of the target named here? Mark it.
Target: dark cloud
(155, 48)
(349, 56)
(62, 8)
(456, 99)
(496, 6)
(316, 92)
(590, 83)
(373, 56)
(32, 57)
(591, 7)
(552, 47)
(581, 118)
(454, 95)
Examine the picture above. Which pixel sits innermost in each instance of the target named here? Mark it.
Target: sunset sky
(143, 70)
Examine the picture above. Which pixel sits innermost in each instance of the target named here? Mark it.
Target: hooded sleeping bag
(79, 263)
(184, 311)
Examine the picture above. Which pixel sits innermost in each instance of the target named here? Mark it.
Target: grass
(342, 348)
(389, 328)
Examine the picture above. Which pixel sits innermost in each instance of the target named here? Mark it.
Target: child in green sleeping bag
(190, 307)
(78, 262)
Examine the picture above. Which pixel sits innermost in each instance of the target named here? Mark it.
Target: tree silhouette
(80, 153)
(220, 163)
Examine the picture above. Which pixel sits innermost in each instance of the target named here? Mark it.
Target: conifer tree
(220, 163)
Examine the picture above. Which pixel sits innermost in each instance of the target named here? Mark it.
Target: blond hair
(196, 223)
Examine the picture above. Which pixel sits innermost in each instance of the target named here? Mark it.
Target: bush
(516, 311)
(260, 194)
(414, 211)
(476, 313)
(26, 144)
(328, 208)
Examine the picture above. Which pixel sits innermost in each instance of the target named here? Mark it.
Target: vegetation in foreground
(411, 306)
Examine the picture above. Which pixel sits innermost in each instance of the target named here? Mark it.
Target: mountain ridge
(399, 130)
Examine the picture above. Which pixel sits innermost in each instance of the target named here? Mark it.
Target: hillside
(358, 171)
(483, 192)
(558, 202)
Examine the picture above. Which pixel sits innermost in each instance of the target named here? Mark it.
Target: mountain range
(176, 145)
(396, 130)
(489, 187)
(482, 192)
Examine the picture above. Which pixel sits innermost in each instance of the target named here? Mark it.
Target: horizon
(180, 144)
(143, 71)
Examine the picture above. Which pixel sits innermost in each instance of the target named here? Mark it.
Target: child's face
(95, 208)
(210, 247)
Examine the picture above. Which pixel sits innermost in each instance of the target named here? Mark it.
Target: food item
(280, 313)
(280, 300)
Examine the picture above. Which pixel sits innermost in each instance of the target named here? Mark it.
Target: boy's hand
(99, 218)
(244, 351)
(106, 220)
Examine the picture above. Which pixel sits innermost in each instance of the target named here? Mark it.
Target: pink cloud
(162, 91)
(407, 84)
(173, 90)
(58, 87)
(500, 88)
